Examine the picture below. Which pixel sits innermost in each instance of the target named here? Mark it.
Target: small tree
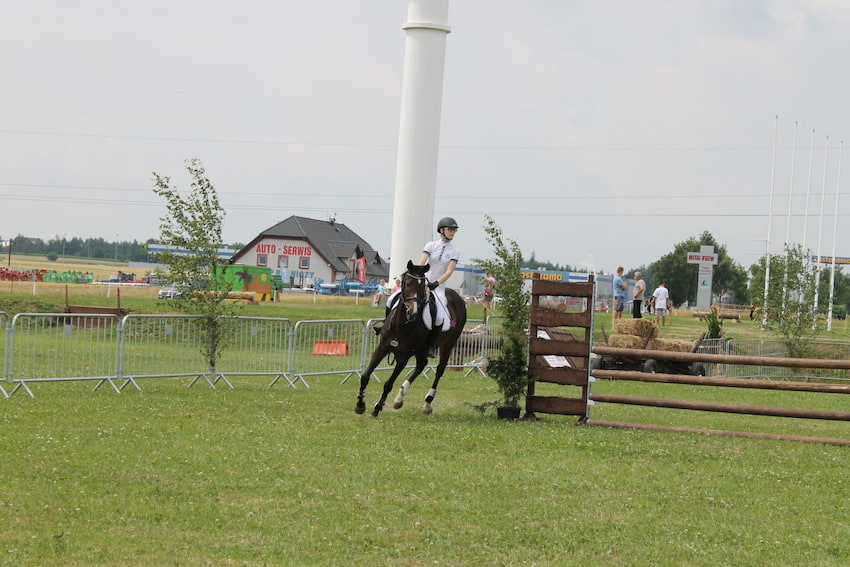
(790, 299)
(509, 368)
(194, 222)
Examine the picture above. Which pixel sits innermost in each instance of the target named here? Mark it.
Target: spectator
(637, 295)
(620, 287)
(662, 301)
(489, 291)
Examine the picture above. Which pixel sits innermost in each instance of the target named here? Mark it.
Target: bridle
(420, 301)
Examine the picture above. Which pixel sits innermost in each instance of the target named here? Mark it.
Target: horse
(404, 334)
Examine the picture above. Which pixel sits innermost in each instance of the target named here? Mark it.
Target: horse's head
(414, 289)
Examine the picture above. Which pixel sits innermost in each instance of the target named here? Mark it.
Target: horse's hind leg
(402, 391)
(388, 386)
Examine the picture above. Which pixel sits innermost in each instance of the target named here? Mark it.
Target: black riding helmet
(446, 222)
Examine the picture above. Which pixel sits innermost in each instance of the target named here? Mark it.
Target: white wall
(301, 259)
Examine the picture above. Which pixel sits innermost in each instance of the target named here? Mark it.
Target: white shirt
(660, 295)
(640, 287)
(439, 255)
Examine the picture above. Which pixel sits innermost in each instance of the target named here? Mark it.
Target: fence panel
(770, 348)
(159, 346)
(55, 347)
(713, 346)
(327, 347)
(257, 346)
(4, 321)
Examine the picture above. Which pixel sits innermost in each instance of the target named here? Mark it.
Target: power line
(389, 195)
(266, 207)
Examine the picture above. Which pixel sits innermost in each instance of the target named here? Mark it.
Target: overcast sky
(609, 128)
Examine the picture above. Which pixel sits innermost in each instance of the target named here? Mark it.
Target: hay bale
(671, 345)
(625, 341)
(636, 327)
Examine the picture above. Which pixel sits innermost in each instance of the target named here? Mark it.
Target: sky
(594, 132)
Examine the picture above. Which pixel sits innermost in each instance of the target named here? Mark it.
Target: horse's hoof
(360, 408)
(427, 409)
(398, 405)
(374, 413)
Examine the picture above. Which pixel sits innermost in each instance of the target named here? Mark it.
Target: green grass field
(281, 476)
(259, 476)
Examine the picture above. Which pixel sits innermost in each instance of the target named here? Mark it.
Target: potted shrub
(509, 367)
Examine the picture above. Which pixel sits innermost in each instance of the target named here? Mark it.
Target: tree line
(94, 248)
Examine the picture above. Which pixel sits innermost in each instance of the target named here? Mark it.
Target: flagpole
(834, 233)
(788, 222)
(808, 198)
(769, 226)
(820, 232)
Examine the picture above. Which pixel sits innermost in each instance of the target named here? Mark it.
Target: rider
(443, 257)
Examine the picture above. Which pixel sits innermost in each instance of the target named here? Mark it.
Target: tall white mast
(419, 130)
(808, 191)
(834, 234)
(769, 226)
(820, 231)
(788, 221)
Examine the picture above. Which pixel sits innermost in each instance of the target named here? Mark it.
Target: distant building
(302, 250)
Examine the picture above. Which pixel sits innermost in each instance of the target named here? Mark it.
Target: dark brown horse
(404, 335)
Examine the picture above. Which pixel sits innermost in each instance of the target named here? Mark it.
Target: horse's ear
(410, 265)
(425, 268)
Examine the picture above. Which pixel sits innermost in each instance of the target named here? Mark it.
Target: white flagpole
(808, 198)
(769, 226)
(834, 233)
(788, 221)
(820, 231)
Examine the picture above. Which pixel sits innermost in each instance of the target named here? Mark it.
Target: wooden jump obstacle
(726, 383)
(545, 342)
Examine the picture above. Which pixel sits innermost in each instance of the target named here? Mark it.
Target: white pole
(834, 233)
(769, 226)
(806, 214)
(419, 130)
(788, 222)
(820, 232)
(808, 192)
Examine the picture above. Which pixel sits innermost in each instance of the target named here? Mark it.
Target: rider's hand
(433, 285)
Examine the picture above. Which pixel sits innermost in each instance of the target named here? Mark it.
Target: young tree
(509, 368)
(194, 222)
(790, 302)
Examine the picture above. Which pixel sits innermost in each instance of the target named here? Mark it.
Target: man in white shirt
(662, 300)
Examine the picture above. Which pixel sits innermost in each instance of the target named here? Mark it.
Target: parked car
(169, 293)
(601, 306)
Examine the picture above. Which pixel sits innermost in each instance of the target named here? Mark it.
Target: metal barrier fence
(323, 347)
(4, 321)
(55, 347)
(769, 348)
(160, 346)
(257, 346)
(64, 347)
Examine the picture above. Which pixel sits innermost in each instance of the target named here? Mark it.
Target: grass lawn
(260, 476)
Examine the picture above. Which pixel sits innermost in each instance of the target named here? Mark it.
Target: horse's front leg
(388, 386)
(441, 367)
(377, 357)
(421, 361)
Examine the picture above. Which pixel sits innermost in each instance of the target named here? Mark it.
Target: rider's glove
(433, 285)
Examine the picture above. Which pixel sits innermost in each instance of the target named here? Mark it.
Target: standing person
(620, 287)
(489, 291)
(442, 255)
(637, 295)
(662, 301)
(397, 285)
